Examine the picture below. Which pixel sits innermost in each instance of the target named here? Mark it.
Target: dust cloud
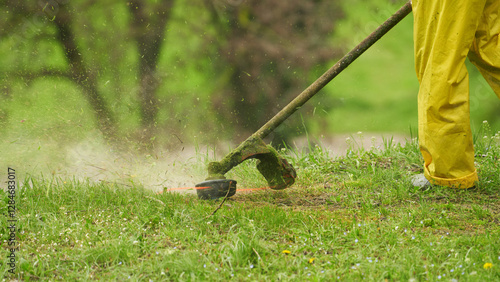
(91, 160)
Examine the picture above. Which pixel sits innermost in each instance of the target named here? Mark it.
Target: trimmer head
(214, 189)
(276, 170)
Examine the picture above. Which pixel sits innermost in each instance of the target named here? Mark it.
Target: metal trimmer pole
(277, 171)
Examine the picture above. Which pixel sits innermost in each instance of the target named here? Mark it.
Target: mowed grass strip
(350, 218)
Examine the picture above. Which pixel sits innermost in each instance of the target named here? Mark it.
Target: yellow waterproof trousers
(445, 33)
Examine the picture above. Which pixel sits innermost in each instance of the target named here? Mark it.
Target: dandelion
(488, 265)
(311, 260)
(286, 252)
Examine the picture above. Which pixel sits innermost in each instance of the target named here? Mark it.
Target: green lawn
(350, 218)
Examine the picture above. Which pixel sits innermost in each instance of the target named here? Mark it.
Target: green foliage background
(377, 93)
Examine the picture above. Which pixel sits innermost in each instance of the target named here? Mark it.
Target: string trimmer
(275, 169)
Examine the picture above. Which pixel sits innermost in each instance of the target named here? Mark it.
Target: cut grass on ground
(351, 218)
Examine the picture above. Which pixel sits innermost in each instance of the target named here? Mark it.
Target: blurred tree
(91, 51)
(266, 52)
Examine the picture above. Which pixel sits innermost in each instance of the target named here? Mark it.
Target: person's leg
(485, 51)
(443, 33)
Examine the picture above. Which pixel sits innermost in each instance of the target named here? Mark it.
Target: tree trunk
(80, 74)
(148, 29)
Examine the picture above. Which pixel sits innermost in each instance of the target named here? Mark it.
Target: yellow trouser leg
(444, 31)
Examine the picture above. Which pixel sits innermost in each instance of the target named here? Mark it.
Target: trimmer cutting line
(275, 169)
